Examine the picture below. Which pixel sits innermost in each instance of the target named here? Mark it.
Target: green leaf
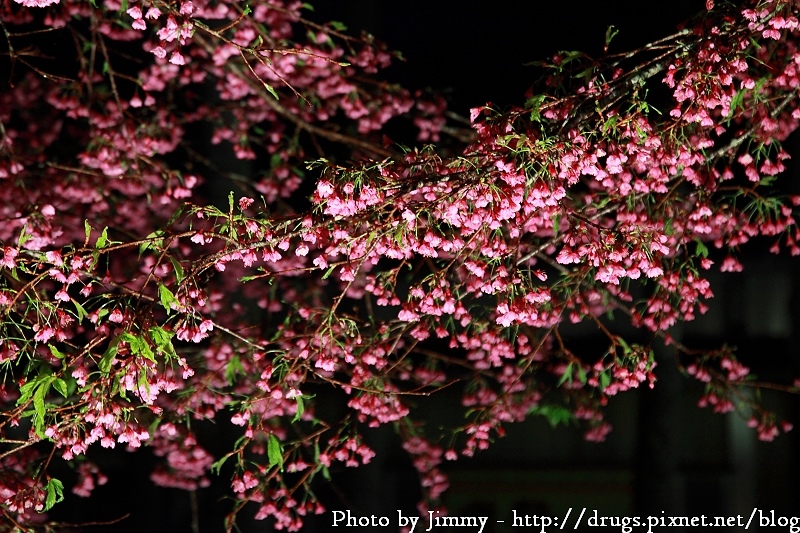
(736, 103)
(566, 376)
(611, 32)
(145, 350)
(55, 351)
(38, 408)
(271, 91)
(88, 230)
(142, 384)
(217, 465)
(668, 229)
(610, 124)
(581, 375)
(102, 240)
(138, 345)
(701, 249)
(166, 297)
(61, 387)
(153, 240)
(233, 368)
(535, 104)
(162, 338)
(79, 310)
(55, 494)
(23, 237)
(605, 380)
(115, 389)
(329, 272)
(26, 391)
(178, 269)
(626, 348)
(300, 409)
(338, 26)
(37, 389)
(274, 451)
(108, 356)
(555, 414)
(556, 223)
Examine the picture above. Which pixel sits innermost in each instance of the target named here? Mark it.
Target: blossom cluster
(133, 311)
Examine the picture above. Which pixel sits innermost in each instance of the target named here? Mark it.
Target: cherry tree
(134, 305)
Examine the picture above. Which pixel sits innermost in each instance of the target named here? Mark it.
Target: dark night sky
(475, 50)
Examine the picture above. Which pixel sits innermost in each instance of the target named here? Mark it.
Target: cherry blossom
(134, 309)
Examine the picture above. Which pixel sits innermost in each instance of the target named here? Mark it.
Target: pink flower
(62, 295)
(240, 419)
(9, 256)
(325, 189)
(201, 238)
(159, 52)
(730, 264)
(170, 31)
(566, 256)
(177, 58)
(346, 273)
(115, 316)
(406, 315)
(54, 257)
(654, 271)
(43, 334)
(37, 3)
